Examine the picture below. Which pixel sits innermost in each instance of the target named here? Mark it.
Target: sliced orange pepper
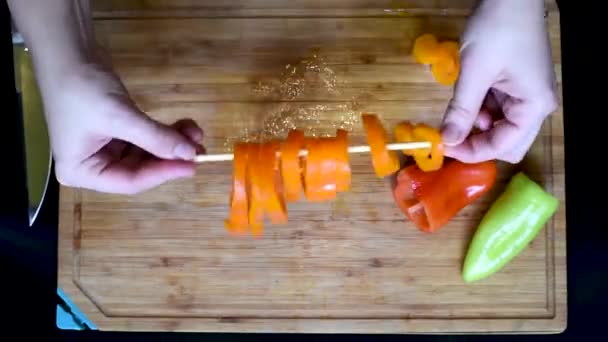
(238, 221)
(404, 133)
(311, 168)
(329, 148)
(426, 49)
(256, 199)
(447, 66)
(290, 165)
(449, 48)
(272, 201)
(318, 170)
(343, 172)
(428, 160)
(385, 162)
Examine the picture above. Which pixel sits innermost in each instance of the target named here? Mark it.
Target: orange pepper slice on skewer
(291, 165)
(426, 159)
(343, 172)
(328, 147)
(319, 171)
(384, 162)
(256, 198)
(404, 133)
(311, 169)
(238, 221)
(272, 199)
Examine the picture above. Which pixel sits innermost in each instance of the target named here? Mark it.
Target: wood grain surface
(161, 260)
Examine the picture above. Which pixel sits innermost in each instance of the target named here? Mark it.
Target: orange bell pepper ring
(320, 170)
(431, 199)
(433, 159)
(291, 165)
(256, 198)
(238, 222)
(385, 162)
(270, 183)
(404, 132)
(312, 169)
(343, 172)
(427, 159)
(446, 67)
(329, 148)
(426, 49)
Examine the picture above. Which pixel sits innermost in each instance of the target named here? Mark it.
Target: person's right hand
(506, 85)
(102, 141)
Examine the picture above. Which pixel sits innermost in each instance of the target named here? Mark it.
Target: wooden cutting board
(162, 260)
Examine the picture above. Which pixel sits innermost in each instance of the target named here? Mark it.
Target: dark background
(28, 256)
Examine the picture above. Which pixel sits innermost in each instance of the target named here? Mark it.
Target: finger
(154, 137)
(487, 145)
(509, 135)
(517, 154)
(134, 156)
(499, 98)
(484, 120)
(492, 106)
(122, 178)
(115, 149)
(190, 129)
(471, 88)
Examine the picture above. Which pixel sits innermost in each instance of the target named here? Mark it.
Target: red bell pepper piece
(431, 199)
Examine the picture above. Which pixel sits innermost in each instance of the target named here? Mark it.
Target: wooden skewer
(203, 158)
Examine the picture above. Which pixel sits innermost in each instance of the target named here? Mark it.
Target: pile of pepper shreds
(263, 183)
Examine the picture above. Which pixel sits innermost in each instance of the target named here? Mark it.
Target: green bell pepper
(512, 221)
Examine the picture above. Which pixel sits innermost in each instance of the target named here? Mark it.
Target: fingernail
(450, 134)
(184, 151)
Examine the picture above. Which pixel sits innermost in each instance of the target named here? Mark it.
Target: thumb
(161, 140)
(469, 92)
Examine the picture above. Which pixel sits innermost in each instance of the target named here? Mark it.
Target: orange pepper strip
(290, 165)
(329, 148)
(404, 134)
(343, 172)
(427, 159)
(433, 160)
(238, 221)
(451, 50)
(426, 49)
(447, 66)
(273, 201)
(312, 169)
(256, 208)
(385, 162)
(313, 173)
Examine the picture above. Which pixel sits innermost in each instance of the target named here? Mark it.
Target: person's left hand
(102, 141)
